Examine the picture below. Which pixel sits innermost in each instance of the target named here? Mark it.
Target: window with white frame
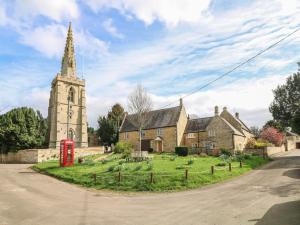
(211, 133)
(194, 145)
(191, 135)
(159, 132)
(125, 135)
(143, 133)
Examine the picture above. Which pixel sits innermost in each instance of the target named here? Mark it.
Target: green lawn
(168, 172)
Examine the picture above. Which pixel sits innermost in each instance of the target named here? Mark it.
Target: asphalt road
(266, 196)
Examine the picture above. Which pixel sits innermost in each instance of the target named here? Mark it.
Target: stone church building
(67, 104)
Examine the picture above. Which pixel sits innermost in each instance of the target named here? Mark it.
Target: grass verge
(168, 172)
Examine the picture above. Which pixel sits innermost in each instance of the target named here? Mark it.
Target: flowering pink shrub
(272, 135)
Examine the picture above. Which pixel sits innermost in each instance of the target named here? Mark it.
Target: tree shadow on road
(282, 214)
(287, 162)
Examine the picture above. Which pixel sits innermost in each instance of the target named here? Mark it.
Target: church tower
(67, 110)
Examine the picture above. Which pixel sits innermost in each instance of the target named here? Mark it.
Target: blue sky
(169, 46)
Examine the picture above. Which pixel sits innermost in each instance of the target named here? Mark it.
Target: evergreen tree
(22, 128)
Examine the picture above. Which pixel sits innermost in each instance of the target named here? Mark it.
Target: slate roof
(157, 119)
(199, 124)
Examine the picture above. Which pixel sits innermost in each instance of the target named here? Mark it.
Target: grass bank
(164, 172)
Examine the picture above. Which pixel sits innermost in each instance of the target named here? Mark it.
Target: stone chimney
(216, 110)
(180, 102)
(237, 115)
(224, 108)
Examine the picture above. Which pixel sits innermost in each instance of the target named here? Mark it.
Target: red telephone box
(66, 153)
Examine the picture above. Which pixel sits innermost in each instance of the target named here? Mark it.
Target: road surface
(266, 196)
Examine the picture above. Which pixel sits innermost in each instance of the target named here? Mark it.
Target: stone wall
(42, 155)
(268, 151)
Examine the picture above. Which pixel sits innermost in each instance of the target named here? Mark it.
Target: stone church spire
(68, 64)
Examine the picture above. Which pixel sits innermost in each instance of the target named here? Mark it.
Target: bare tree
(139, 104)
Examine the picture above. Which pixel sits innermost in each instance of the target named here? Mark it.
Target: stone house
(220, 131)
(168, 128)
(163, 132)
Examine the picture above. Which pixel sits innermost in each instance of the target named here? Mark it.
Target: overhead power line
(236, 67)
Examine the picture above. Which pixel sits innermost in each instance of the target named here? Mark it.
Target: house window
(191, 135)
(125, 135)
(159, 132)
(143, 133)
(211, 133)
(194, 145)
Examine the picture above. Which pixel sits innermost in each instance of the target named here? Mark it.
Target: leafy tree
(295, 124)
(116, 114)
(286, 101)
(106, 131)
(255, 130)
(22, 128)
(272, 135)
(275, 124)
(109, 125)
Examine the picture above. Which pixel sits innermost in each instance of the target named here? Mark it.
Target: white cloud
(111, 29)
(56, 9)
(50, 41)
(170, 12)
(3, 17)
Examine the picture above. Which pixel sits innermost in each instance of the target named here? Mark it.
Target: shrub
(226, 152)
(150, 150)
(181, 151)
(173, 158)
(111, 168)
(226, 158)
(272, 135)
(261, 143)
(122, 147)
(138, 167)
(190, 162)
(251, 143)
(221, 164)
(149, 166)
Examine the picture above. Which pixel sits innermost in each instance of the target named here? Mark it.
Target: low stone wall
(42, 155)
(268, 151)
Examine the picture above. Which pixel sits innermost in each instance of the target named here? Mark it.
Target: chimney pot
(237, 115)
(216, 110)
(180, 102)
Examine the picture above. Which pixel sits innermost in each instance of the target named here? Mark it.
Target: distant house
(171, 127)
(220, 131)
(164, 129)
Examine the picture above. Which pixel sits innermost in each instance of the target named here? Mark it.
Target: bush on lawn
(181, 151)
(221, 164)
(225, 152)
(125, 148)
